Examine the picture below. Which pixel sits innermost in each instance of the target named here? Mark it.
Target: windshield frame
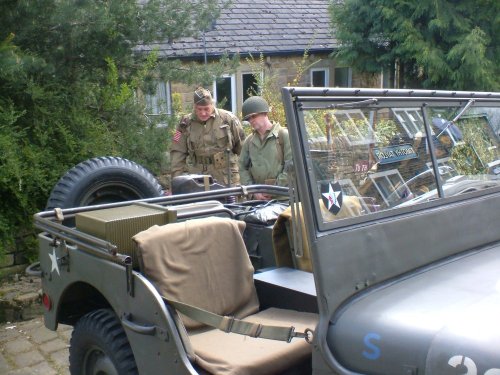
(300, 100)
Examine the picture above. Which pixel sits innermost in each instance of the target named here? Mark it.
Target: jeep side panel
(79, 282)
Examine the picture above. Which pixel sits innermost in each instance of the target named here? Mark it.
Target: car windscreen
(369, 159)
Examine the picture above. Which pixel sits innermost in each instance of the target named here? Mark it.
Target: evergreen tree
(441, 44)
(69, 74)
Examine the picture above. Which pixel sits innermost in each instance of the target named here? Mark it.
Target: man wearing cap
(266, 150)
(212, 139)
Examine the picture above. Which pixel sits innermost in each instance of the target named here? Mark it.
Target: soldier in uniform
(211, 138)
(266, 150)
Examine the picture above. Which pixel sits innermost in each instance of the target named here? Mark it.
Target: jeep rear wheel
(99, 346)
(103, 180)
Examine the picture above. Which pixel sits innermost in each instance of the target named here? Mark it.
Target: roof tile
(255, 26)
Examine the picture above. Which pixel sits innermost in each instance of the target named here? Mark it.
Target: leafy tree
(69, 74)
(444, 44)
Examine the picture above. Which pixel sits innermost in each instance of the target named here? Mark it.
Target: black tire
(103, 180)
(99, 345)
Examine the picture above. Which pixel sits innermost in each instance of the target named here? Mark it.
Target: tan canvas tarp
(204, 263)
(170, 255)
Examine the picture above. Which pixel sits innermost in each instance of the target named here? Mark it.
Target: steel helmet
(253, 105)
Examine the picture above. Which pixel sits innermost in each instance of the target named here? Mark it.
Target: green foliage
(270, 86)
(471, 156)
(114, 94)
(334, 125)
(385, 131)
(441, 44)
(466, 161)
(69, 71)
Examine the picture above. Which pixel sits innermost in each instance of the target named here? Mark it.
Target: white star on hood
(53, 260)
(332, 197)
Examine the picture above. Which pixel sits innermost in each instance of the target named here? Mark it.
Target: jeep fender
(77, 290)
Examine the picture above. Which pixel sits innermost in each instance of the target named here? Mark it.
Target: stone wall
(284, 69)
(13, 262)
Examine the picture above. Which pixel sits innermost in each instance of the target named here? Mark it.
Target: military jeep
(384, 260)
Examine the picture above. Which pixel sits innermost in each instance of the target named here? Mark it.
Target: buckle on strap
(306, 335)
(226, 324)
(256, 330)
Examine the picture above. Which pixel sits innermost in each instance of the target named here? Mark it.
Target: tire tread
(105, 325)
(62, 193)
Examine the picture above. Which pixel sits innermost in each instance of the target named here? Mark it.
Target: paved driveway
(28, 348)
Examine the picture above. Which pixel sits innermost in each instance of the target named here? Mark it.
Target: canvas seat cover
(204, 262)
(282, 234)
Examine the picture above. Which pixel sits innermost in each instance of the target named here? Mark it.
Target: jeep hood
(441, 320)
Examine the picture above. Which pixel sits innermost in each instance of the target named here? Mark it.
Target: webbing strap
(231, 324)
(296, 224)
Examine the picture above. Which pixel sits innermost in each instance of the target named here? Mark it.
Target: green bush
(69, 84)
(45, 129)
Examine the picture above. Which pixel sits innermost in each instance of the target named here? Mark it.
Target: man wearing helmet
(266, 150)
(211, 137)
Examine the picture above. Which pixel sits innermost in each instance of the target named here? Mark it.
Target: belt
(206, 160)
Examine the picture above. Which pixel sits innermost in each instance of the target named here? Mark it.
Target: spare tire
(103, 180)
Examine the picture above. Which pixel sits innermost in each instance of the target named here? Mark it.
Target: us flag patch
(177, 136)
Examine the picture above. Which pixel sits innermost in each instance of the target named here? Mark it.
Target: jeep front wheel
(99, 345)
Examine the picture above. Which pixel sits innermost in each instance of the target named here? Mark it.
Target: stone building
(279, 30)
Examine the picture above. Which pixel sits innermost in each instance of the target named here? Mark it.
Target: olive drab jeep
(384, 259)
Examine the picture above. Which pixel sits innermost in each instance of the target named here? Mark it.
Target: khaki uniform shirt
(201, 147)
(262, 161)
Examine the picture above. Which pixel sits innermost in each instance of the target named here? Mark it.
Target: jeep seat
(204, 263)
(283, 233)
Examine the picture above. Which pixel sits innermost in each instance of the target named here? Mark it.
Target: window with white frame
(224, 91)
(411, 120)
(353, 125)
(320, 77)
(160, 103)
(249, 85)
(388, 184)
(343, 77)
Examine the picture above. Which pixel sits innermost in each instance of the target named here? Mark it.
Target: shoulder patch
(177, 136)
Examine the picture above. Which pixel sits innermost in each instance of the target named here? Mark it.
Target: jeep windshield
(370, 153)
(399, 192)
